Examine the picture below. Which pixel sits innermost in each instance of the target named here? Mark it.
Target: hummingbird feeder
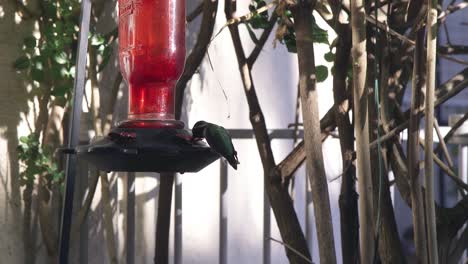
(151, 57)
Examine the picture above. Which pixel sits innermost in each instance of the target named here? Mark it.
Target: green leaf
(290, 42)
(50, 9)
(258, 20)
(97, 40)
(61, 58)
(37, 75)
(321, 72)
(30, 42)
(319, 35)
(59, 72)
(329, 56)
(24, 139)
(61, 90)
(22, 63)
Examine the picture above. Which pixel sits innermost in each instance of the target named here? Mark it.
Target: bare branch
(417, 86)
(198, 52)
(283, 209)
(403, 38)
(296, 157)
(302, 14)
(244, 18)
(449, 89)
(451, 9)
(195, 13)
(291, 248)
(431, 26)
(443, 145)
(261, 42)
(453, 49)
(460, 183)
(454, 128)
(361, 130)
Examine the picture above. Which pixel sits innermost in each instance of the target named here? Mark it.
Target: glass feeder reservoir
(151, 56)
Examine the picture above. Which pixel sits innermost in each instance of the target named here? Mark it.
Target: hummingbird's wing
(220, 141)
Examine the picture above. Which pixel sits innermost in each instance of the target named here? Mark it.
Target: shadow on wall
(14, 105)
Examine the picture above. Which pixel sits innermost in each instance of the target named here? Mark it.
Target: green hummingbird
(219, 140)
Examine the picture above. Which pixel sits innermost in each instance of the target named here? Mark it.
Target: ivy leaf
(22, 63)
(50, 9)
(30, 42)
(289, 39)
(321, 72)
(24, 139)
(61, 90)
(329, 56)
(97, 40)
(37, 75)
(319, 35)
(61, 58)
(258, 20)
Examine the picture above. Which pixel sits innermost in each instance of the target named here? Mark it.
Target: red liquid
(151, 56)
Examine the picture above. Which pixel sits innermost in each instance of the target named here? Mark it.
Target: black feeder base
(148, 150)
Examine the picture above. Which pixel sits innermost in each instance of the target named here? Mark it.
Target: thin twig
(261, 41)
(195, 58)
(461, 184)
(244, 18)
(442, 144)
(403, 38)
(290, 248)
(452, 8)
(195, 13)
(454, 128)
(446, 91)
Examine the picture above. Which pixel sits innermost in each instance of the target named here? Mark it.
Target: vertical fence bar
(161, 254)
(223, 219)
(130, 217)
(463, 174)
(178, 220)
(73, 137)
(83, 184)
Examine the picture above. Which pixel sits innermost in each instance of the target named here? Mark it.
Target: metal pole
(223, 218)
(178, 220)
(463, 174)
(161, 254)
(73, 137)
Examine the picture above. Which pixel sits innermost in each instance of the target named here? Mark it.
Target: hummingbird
(219, 140)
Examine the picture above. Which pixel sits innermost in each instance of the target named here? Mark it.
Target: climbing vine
(286, 34)
(47, 65)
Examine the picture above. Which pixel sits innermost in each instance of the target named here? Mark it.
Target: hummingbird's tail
(233, 160)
